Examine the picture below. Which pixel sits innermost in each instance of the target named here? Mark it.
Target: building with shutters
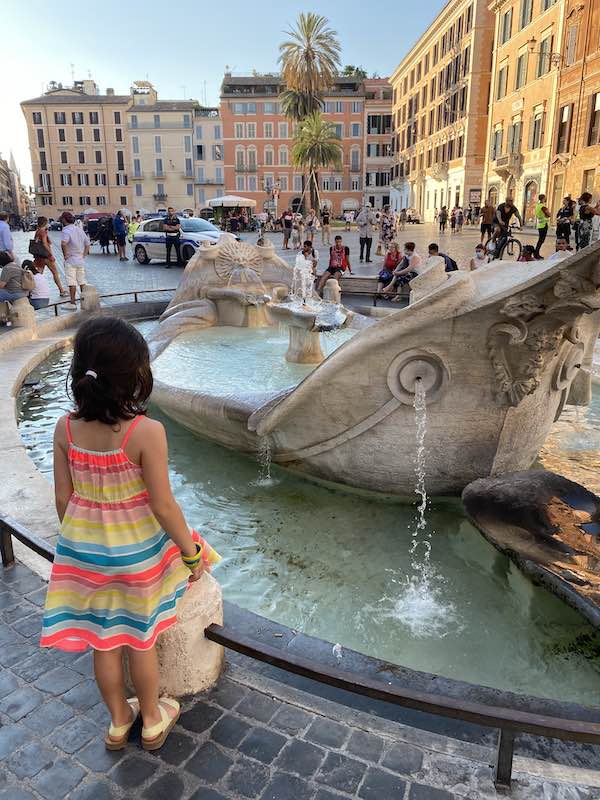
(440, 109)
(378, 141)
(78, 147)
(575, 152)
(524, 101)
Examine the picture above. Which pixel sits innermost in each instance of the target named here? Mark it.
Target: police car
(149, 241)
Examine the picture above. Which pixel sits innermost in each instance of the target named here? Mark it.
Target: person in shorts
(75, 246)
(339, 262)
(487, 214)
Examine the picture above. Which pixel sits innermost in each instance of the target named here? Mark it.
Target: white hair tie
(91, 373)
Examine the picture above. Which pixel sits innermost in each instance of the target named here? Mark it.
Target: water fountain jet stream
(264, 464)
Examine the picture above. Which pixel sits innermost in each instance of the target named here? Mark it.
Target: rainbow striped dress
(117, 576)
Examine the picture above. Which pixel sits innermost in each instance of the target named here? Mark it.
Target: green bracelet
(193, 561)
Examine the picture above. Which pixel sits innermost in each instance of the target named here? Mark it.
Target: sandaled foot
(155, 736)
(118, 736)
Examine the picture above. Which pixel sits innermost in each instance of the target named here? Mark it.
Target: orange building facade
(258, 141)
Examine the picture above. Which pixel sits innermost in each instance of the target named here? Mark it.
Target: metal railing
(508, 721)
(134, 293)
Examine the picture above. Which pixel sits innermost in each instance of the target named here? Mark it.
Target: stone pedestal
(189, 663)
(22, 313)
(332, 292)
(90, 299)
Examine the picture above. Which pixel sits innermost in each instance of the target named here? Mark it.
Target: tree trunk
(314, 197)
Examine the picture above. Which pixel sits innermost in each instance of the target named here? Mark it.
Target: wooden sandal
(154, 737)
(118, 736)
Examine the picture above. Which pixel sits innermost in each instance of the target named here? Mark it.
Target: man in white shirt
(6, 239)
(75, 246)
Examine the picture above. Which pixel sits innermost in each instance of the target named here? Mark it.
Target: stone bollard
(22, 313)
(90, 299)
(332, 292)
(188, 662)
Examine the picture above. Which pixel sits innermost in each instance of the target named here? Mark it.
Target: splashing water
(264, 464)
(420, 605)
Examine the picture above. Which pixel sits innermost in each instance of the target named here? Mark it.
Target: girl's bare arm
(63, 485)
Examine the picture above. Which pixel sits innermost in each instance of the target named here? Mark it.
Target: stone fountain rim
(56, 335)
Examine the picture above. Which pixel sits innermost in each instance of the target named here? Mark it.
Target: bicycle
(508, 246)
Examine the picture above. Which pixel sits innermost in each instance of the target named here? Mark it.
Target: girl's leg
(108, 668)
(52, 267)
(143, 665)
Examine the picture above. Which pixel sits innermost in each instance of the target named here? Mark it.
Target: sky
(182, 48)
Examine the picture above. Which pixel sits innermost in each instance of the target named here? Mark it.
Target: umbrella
(90, 211)
(125, 211)
(231, 201)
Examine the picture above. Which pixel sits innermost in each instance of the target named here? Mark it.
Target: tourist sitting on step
(339, 262)
(406, 270)
(392, 259)
(11, 278)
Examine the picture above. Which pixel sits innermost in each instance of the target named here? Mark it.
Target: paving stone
(327, 732)
(366, 745)
(19, 703)
(23, 609)
(35, 666)
(168, 786)
(48, 717)
(208, 763)
(204, 793)
(26, 583)
(84, 666)
(99, 715)
(200, 717)
(380, 785)
(229, 731)
(341, 772)
(325, 794)
(29, 626)
(420, 792)
(262, 744)
(74, 736)
(97, 758)
(58, 680)
(83, 696)
(30, 759)
(8, 600)
(7, 634)
(16, 793)
(56, 782)
(8, 683)
(133, 771)
(258, 706)
(292, 720)
(38, 597)
(227, 693)
(248, 778)
(403, 758)
(16, 652)
(176, 749)
(287, 787)
(301, 757)
(94, 790)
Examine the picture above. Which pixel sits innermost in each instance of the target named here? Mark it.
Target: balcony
(159, 174)
(508, 166)
(439, 172)
(246, 167)
(137, 176)
(209, 181)
(187, 175)
(160, 196)
(41, 190)
(164, 124)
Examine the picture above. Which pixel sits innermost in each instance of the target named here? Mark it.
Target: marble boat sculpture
(499, 351)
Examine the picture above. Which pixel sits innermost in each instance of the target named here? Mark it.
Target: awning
(231, 201)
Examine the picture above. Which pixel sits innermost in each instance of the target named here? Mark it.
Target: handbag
(38, 249)
(27, 281)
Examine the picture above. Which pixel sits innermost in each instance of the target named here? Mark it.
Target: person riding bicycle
(502, 220)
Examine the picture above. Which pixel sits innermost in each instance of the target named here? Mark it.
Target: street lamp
(555, 58)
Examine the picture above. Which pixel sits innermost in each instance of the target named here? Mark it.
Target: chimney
(110, 92)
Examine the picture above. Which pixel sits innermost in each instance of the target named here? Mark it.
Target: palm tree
(316, 145)
(310, 58)
(298, 105)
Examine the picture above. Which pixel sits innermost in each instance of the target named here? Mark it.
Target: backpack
(451, 265)
(27, 281)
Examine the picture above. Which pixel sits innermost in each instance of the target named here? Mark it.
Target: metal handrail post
(504, 759)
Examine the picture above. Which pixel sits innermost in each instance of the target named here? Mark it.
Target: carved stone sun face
(231, 258)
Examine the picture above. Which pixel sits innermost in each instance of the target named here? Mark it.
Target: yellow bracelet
(193, 561)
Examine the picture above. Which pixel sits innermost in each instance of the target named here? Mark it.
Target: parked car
(55, 225)
(149, 241)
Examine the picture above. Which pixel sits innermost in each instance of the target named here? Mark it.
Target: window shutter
(530, 140)
(542, 129)
(570, 128)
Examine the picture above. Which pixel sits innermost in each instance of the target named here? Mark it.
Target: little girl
(125, 554)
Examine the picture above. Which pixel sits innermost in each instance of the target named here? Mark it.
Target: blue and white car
(149, 241)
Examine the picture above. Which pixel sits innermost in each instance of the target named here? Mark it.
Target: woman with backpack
(41, 250)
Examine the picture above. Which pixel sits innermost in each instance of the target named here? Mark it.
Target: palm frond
(317, 144)
(310, 57)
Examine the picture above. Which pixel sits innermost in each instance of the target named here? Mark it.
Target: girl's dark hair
(118, 355)
(585, 197)
(28, 264)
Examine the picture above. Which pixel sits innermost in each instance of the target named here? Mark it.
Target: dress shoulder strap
(129, 431)
(68, 428)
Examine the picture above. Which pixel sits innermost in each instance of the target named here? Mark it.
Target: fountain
(499, 351)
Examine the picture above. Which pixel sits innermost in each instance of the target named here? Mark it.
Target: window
(83, 179)
(525, 15)
(189, 168)
(270, 108)
(118, 118)
(189, 189)
(496, 149)
(297, 183)
(157, 120)
(283, 183)
(77, 117)
(506, 26)
(98, 156)
(199, 152)
(355, 160)
(158, 168)
(40, 137)
(239, 130)
(137, 168)
(326, 183)
(79, 134)
(544, 57)
(251, 130)
(100, 200)
(564, 129)
(239, 183)
(283, 130)
(217, 131)
(100, 179)
(339, 130)
(536, 130)
(252, 183)
(121, 180)
(515, 133)
(66, 179)
(355, 183)
(571, 52)
(187, 123)
(469, 19)
(46, 201)
(45, 181)
(120, 160)
(521, 72)
(501, 82)
(138, 189)
(283, 156)
(594, 127)
(67, 200)
(198, 131)
(339, 106)
(357, 107)
(435, 56)
(118, 134)
(219, 174)
(81, 156)
(244, 108)
(60, 118)
(37, 117)
(93, 117)
(338, 183)
(135, 144)
(240, 159)
(157, 144)
(201, 197)
(546, 4)
(268, 130)
(61, 135)
(588, 180)
(85, 200)
(201, 174)
(96, 134)
(64, 158)
(134, 120)
(355, 130)
(217, 152)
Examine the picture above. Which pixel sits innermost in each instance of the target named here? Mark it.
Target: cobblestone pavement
(109, 274)
(248, 738)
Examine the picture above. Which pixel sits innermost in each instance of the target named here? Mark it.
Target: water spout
(264, 464)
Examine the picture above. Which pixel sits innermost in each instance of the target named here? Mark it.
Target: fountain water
(264, 463)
